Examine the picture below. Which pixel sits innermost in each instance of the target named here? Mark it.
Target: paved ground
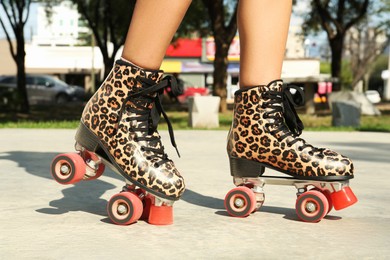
(40, 219)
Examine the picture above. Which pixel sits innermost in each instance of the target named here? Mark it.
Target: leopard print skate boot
(119, 128)
(265, 130)
(265, 134)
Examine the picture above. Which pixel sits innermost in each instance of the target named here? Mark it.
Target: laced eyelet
(300, 148)
(289, 144)
(156, 165)
(310, 153)
(142, 149)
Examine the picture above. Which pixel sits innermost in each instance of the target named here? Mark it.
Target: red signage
(234, 50)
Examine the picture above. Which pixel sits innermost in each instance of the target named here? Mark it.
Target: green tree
(335, 17)
(375, 80)
(223, 22)
(367, 40)
(196, 22)
(218, 19)
(16, 13)
(109, 22)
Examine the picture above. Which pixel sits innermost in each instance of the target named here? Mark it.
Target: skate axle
(64, 169)
(311, 207)
(238, 202)
(122, 209)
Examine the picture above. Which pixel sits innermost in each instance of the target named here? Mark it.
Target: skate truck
(315, 199)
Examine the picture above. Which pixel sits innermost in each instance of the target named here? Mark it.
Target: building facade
(55, 50)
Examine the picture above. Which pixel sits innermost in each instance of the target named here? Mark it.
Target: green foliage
(346, 73)
(334, 16)
(376, 81)
(179, 121)
(196, 22)
(346, 76)
(325, 67)
(111, 21)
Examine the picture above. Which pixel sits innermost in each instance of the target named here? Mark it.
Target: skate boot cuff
(268, 86)
(124, 62)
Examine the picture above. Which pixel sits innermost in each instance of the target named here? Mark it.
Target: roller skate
(265, 134)
(118, 128)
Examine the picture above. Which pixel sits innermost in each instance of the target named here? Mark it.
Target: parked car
(192, 91)
(43, 89)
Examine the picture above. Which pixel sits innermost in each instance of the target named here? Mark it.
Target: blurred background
(54, 54)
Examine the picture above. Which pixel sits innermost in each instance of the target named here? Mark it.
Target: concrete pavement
(41, 219)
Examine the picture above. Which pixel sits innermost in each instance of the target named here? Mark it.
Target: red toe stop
(343, 198)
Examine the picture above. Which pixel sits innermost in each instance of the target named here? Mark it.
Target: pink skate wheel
(124, 208)
(328, 197)
(160, 215)
(311, 206)
(68, 168)
(343, 198)
(240, 202)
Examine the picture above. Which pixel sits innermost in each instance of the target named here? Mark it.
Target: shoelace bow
(147, 119)
(290, 124)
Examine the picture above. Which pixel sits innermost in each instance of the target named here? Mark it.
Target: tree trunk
(223, 35)
(108, 63)
(336, 46)
(21, 74)
(220, 73)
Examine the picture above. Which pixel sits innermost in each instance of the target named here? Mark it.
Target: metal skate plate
(301, 185)
(157, 200)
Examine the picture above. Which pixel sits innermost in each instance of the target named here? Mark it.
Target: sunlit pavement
(41, 219)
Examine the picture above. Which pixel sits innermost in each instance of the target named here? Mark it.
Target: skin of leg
(263, 29)
(151, 30)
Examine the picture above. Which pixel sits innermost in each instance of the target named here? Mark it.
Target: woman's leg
(265, 128)
(119, 123)
(263, 29)
(151, 30)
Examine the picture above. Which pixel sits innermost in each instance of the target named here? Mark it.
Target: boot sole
(240, 167)
(87, 139)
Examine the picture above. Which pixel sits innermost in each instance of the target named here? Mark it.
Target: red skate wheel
(147, 203)
(160, 215)
(328, 196)
(311, 206)
(68, 168)
(124, 208)
(343, 198)
(240, 202)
